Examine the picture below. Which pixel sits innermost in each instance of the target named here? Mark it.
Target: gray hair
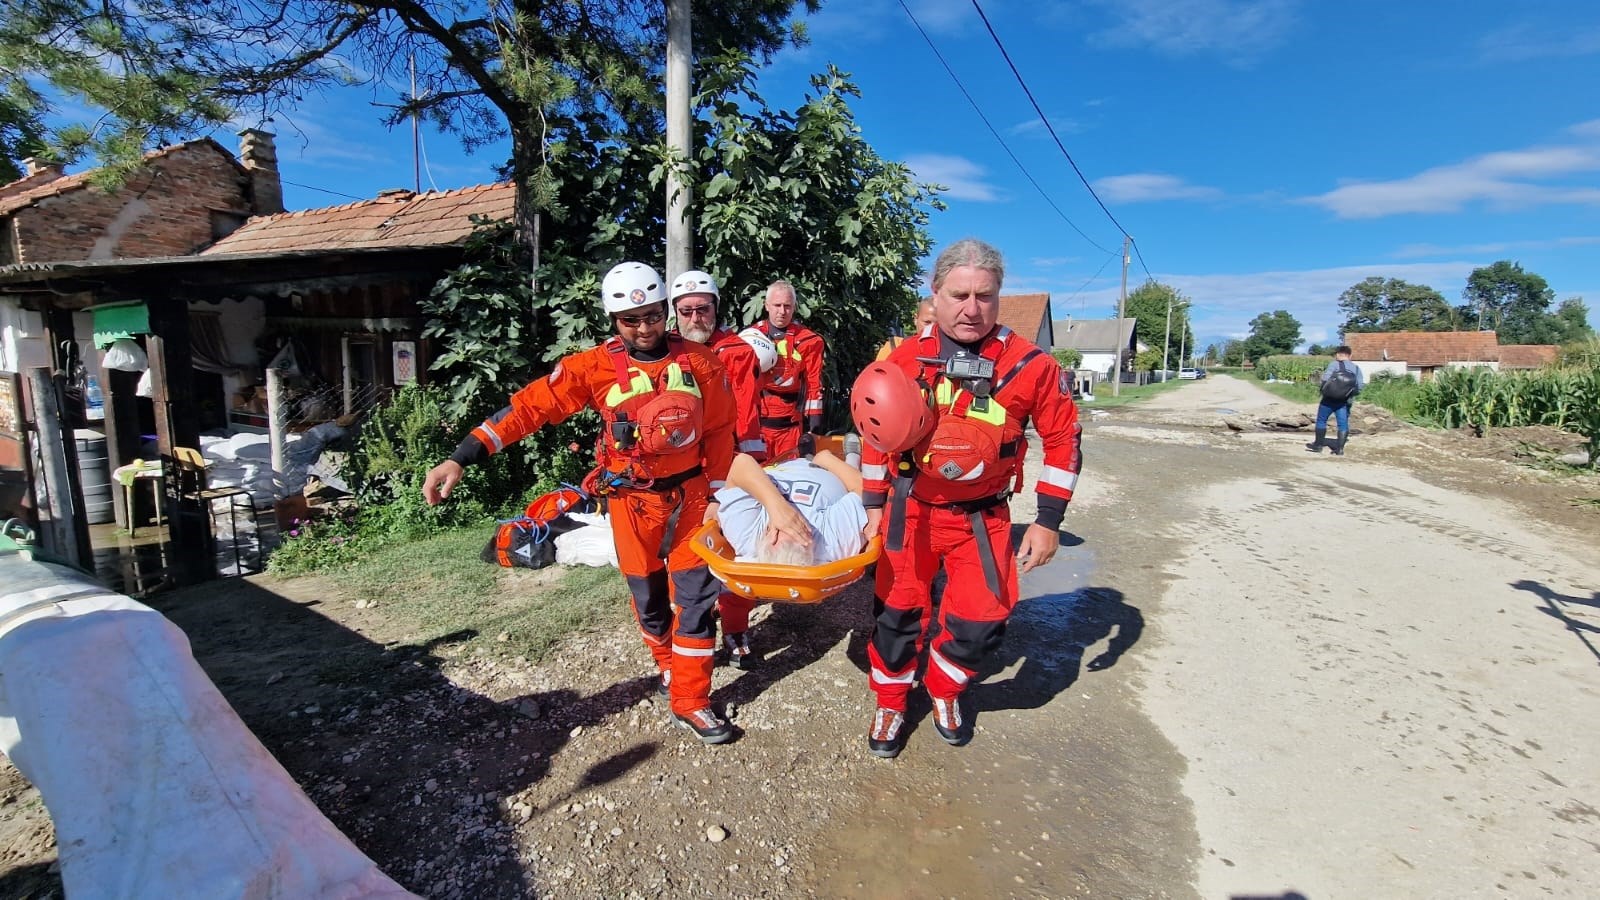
(785, 552)
(783, 284)
(968, 252)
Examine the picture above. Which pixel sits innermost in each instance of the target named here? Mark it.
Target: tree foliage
(1148, 305)
(173, 68)
(21, 134)
(1376, 304)
(1512, 302)
(802, 196)
(1274, 333)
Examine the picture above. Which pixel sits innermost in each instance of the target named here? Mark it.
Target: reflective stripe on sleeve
(874, 472)
(813, 406)
(493, 441)
(1060, 478)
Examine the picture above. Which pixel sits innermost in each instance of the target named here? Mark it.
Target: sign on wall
(405, 362)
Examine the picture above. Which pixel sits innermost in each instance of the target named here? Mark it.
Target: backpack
(1340, 386)
(528, 541)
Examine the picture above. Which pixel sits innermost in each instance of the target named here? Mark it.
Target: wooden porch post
(177, 425)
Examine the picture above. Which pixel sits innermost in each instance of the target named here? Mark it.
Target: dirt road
(1251, 671)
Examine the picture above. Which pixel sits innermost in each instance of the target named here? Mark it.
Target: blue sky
(1265, 154)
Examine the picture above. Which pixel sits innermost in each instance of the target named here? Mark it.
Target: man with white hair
(800, 512)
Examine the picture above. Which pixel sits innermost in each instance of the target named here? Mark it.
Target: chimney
(396, 195)
(36, 166)
(259, 156)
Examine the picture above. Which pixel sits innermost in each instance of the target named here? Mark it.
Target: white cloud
(962, 178)
(1051, 262)
(1503, 180)
(1520, 43)
(1416, 251)
(1145, 187)
(1035, 126)
(1237, 30)
(1224, 304)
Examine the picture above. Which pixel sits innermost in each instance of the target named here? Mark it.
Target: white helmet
(629, 286)
(766, 353)
(695, 281)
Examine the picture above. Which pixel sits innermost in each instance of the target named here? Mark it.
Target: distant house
(1422, 354)
(1029, 316)
(1528, 356)
(1097, 340)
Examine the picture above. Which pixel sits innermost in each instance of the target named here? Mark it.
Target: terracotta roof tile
(403, 220)
(1025, 313)
(1425, 349)
(1528, 356)
(80, 180)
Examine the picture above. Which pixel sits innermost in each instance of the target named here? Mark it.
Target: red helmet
(890, 411)
(669, 422)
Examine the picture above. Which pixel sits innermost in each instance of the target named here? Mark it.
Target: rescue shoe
(947, 721)
(709, 727)
(883, 738)
(664, 683)
(740, 656)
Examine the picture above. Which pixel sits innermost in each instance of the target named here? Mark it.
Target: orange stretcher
(784, 584)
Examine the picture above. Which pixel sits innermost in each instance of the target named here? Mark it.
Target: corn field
(1483, 399)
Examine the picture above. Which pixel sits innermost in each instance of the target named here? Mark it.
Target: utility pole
(1166, 342)
(1183, 338)
(680, 53)
(1122, 310)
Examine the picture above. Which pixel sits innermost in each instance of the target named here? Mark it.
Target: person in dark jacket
(1341, 382)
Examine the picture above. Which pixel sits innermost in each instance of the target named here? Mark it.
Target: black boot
(1338, 444)
(1321, 441)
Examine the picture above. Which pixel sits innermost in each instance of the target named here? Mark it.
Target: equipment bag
(528, 541)
(1340, 386)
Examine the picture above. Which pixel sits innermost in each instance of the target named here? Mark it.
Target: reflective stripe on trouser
(641, 526)
(972, 618)
(735, 612)
(782, 443)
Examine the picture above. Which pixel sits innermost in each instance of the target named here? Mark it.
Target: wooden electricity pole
(1122, 310)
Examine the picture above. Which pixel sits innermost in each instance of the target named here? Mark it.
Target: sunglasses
(654, 318)
(696, 311)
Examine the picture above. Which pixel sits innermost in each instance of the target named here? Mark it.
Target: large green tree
(1376, 304)
(1272, 333)
(21, 133)
(1510, 301)
(1148, 305)
(168, 69)
(1572, 321)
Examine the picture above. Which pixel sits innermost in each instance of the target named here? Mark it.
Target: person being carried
(1341, 382)
(800, 512)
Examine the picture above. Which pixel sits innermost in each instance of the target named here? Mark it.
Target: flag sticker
(803, 493)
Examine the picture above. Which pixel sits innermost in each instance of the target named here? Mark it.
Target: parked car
(1189, 374)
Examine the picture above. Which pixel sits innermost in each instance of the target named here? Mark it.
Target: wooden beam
(171, 361)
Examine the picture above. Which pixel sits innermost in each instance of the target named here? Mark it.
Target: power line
(1090, 281)
(997, 137)
(325, 190)
(1048, 127)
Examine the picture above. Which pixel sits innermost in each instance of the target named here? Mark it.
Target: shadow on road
(1553, 603)
(1048, 636)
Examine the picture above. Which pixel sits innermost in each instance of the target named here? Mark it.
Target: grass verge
(1397, 395)
(1130, 393)
(439, 591)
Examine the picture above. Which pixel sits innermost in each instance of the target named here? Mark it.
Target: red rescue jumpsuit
(744, 376)
(791, 391)
(651, 517)
(942, 517)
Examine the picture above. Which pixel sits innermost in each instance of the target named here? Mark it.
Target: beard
(697, 333)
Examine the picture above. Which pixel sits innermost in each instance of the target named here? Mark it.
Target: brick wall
(163, 210)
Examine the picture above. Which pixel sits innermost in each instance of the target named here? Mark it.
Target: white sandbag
(126, 356)
(589, 546)
(156, 787)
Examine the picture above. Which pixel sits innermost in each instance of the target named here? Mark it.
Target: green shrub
(1068, 357)
(311, 545)
(1291, 368)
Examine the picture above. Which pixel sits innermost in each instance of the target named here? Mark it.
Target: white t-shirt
(836, 516)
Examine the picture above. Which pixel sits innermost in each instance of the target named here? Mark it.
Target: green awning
(116, 321)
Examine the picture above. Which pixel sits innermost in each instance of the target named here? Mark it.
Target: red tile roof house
(342, 282)
(1029, 316)
(1422, 354)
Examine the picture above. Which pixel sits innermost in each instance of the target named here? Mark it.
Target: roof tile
(429, 219)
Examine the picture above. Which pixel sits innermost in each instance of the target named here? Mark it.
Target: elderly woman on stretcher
(801, 512)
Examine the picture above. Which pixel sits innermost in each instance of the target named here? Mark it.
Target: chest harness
(647, 418)
(969, 438)
(789, 358)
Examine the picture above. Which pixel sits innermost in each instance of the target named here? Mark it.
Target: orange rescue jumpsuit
(654, 517)
(965, 524)
(791, 391)
(744, 376)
